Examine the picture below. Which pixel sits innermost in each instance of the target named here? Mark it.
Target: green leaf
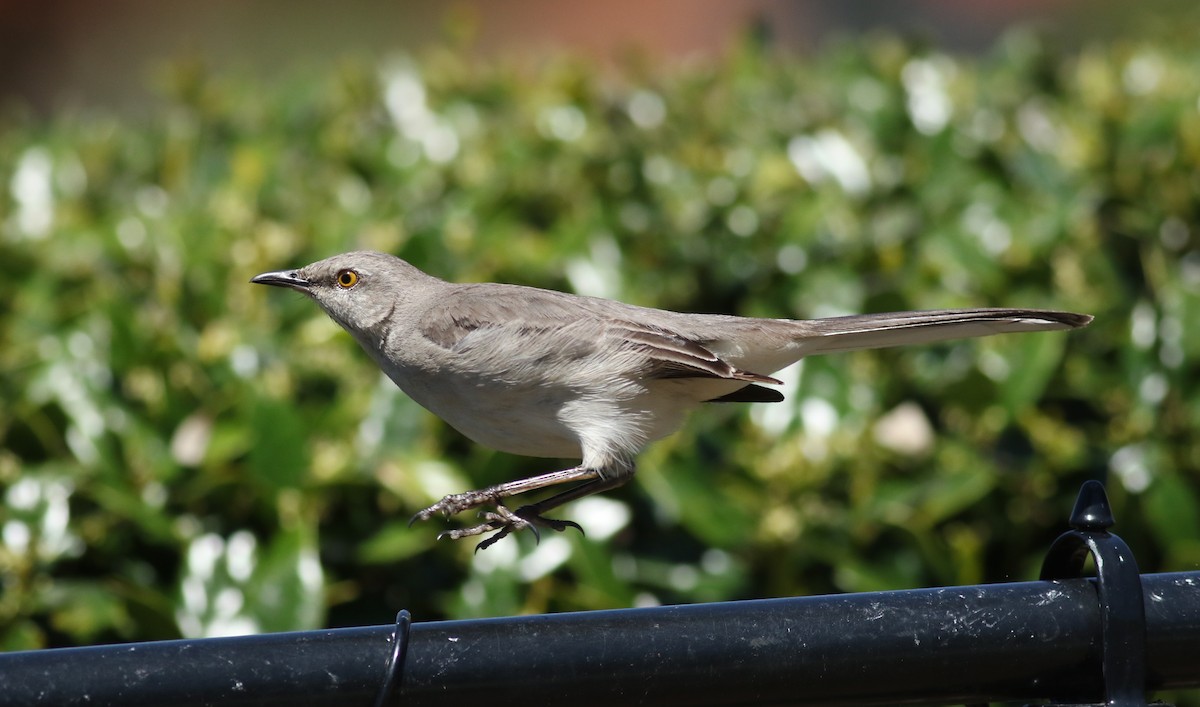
(287, 590)
(393, 542)
(278, 455)
(1032, 360)
(1172, 510)
(86, 610)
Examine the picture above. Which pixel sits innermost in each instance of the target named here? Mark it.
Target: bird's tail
(874, 331)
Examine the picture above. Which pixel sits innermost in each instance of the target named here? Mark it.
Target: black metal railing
(1103, 640)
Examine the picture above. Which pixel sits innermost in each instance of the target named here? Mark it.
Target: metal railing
(1103, 640)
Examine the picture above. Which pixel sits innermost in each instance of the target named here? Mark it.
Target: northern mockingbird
(548, 374)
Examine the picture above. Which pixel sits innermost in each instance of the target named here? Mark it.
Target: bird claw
(556, 524)
(505, 522)
(453, 504)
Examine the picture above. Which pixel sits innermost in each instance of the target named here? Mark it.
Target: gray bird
(547, 374)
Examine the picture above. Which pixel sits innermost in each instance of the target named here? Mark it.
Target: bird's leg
(533, 511)
(530, 516)
(459, 502)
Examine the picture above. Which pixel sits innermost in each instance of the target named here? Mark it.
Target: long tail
(874, 331)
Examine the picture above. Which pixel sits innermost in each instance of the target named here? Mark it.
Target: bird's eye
(347, 279)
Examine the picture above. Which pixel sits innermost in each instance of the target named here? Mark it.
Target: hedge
(186, 454)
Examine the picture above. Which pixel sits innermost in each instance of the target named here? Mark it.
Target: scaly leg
(592, 480)
(530, 516)
(458, 502)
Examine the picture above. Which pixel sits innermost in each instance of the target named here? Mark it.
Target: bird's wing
(455, 318)
(673, 355)
(540, 320)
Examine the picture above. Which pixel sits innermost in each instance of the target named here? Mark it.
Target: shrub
(185, 454)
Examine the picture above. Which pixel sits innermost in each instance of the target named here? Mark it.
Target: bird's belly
(515, 431)
(515, 420)
(547, 420)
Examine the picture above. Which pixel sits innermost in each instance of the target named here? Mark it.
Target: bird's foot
(456, 503)
(505, 522)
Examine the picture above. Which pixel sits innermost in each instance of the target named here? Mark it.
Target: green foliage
(184, 453)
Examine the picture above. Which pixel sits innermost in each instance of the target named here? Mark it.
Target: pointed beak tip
(285, 278)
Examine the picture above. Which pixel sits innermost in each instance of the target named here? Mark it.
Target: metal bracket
(1119, 592)
(399, 652)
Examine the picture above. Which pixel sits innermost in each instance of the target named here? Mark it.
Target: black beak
(282, 278)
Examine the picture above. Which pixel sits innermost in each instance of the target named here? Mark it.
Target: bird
(543, 373)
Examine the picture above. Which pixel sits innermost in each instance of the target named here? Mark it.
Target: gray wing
(673, 355)
(542, 322)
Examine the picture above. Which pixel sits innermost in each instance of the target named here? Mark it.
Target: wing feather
(675, 356)
(537, 313)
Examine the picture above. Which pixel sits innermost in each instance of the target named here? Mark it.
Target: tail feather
(873, 331)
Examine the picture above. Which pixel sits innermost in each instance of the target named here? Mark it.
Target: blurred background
(74, 52)
(182, 454)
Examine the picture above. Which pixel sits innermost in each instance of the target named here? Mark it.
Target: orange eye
(347, 279)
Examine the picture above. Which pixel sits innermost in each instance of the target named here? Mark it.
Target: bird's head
(358, 290)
